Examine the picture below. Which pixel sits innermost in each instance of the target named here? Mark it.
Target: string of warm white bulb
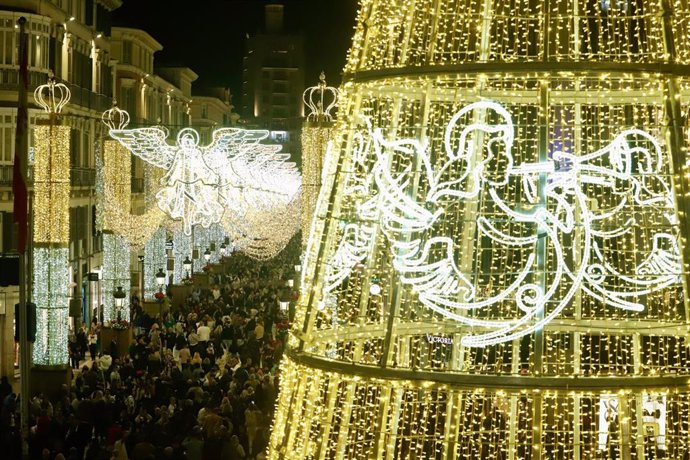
(378, 373)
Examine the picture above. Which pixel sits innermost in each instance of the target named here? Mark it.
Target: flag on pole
(21, 144)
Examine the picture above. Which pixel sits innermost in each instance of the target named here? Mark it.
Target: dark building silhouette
(273, 81)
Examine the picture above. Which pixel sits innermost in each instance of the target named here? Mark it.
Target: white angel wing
(353, 249)
(435, 279)
(149, 144)
(227, 143)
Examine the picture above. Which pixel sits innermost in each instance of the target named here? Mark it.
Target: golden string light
(51, 184)
(315, 139)
(51, 225)
(117, 174)
(373, 372)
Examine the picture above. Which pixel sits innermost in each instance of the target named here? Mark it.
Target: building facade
(273, 81)
(99, 64)
(212, 109)
(72, 40)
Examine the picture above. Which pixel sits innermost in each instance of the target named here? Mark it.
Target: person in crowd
(93, 342)
(198, 382)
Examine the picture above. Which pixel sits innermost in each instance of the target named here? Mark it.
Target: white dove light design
(234, 173)
(558, 203)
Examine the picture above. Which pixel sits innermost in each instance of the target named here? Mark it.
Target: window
(7, 130)
(9, 232)
(88, 18)
(204, 111)
(126, 52)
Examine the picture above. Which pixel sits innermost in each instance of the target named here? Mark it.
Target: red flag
(21, 145)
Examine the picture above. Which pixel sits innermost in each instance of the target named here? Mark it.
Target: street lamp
(160, 279)
(207, 255)
(120, 297)
(187, 264)
(223, 250)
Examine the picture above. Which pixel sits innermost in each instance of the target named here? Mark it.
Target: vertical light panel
(51, 184)
(117, 177)
(182, 248)
(315, 138)
(51, 241)
(50, 294)
(116, 261)
(155, 258)
(117, 174)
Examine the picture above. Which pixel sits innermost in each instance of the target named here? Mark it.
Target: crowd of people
(198, 382)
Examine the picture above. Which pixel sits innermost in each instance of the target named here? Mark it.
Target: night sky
(210, 40)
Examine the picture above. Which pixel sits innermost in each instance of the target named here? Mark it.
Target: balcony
(7, 173)
(9, 79)
(79, 177)
(82, 177)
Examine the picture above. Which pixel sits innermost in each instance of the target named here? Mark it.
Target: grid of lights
(116, 272)
(315, 141)
(51, 184)
(50, 294)
(155, 258)
(117, 174)
(597, 141)
(182, 248)
(203, 239)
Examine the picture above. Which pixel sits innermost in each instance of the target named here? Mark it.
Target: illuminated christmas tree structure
(497, 266)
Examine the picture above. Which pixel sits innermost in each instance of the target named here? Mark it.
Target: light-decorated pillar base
(473, 418)
(116, 263)
(50, 294)
(155, 258)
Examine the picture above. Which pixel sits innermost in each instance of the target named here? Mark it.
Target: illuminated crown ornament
(52, 96)
(115, 117)
(498, 261)
(321, 100)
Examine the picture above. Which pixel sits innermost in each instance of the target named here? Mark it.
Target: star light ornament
(559, 204)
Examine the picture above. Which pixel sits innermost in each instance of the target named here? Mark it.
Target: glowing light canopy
(234, 173)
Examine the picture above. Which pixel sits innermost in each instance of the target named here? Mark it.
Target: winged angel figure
(398, 189)
(235, 171)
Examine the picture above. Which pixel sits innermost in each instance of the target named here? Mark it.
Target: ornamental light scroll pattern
(558, 202)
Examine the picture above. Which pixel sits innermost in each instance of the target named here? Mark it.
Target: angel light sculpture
(233, 173)
(558, 204)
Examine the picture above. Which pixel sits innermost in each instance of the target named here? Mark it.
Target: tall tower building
(273, 81)
(498, 265)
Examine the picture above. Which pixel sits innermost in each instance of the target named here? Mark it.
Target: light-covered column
(51, 227)
(316, 136)
(117, 178)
